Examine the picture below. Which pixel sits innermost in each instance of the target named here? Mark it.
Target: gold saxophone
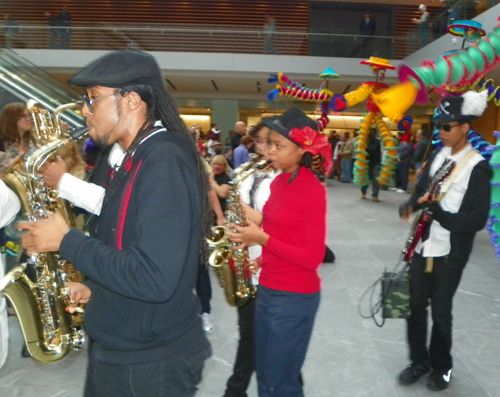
(230, 262)
(49, 332)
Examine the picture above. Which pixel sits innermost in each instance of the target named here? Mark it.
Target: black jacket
(142, 266)
(471, 216)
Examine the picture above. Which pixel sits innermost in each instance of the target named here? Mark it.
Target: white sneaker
(400, 191)
(206, 320)
(393, 188)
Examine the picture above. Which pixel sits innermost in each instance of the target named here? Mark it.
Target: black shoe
(439, 380)
(413, 372)
(24, 352)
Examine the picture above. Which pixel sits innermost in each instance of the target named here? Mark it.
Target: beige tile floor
(349, 356)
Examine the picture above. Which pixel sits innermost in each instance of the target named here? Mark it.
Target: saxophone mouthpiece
(77, 133)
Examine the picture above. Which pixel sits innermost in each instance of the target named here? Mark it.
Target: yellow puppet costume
(380, 100)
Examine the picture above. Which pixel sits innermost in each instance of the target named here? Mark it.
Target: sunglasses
(447, 127)
(87, 101)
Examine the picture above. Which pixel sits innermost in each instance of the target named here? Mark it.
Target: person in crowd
(9, 207)
(374, 150)
(241, 130)
(219, 179)
(405, 150)
(64, 19)
(10, 28)
(219, 184)
(444, 248)
(241, 154)
(423, 25)
(455, 8)
(419, 154)
(254, 191)
(269, 34)
(151, 236)
(213, 140)
(228, 155)
(367, 27)
(15, 127)
(292, 236)
(53, 21)
(337, 158)
(346, 154)
(333, 138)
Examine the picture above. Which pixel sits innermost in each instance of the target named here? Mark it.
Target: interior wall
(488, 123)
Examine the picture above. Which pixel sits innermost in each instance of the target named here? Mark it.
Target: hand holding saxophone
(53, 172)
(78, 294)
(248, 235)
(44, 235)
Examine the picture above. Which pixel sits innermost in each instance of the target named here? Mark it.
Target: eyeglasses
(447, 127)
(260, 141)
(25, 116)
(87, 101)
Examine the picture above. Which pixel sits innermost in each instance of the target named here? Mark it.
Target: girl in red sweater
(292, 231)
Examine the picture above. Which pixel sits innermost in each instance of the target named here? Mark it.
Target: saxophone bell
(220, 256)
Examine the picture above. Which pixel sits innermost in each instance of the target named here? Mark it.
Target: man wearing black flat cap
(457, 212)
(141, 313)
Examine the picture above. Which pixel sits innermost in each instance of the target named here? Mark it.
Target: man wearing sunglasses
(141, 314)
(446, 243)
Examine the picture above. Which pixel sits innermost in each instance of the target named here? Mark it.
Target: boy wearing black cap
(141, 268)
(459, 211)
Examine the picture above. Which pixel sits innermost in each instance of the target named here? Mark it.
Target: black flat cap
(292, 118)
(120, 69)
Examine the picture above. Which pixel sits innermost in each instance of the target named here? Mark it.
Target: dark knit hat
(121, 69)
(293, 118)
(462, 109)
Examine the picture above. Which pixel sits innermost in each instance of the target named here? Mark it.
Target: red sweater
(295, 219)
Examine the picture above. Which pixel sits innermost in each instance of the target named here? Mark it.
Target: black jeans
(204, 288)
(162, 378)
(244, 366)
(373, 171)
(439, 288)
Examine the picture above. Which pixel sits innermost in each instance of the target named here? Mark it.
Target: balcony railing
(230, 39)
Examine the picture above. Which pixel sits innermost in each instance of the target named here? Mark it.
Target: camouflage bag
(396, 294)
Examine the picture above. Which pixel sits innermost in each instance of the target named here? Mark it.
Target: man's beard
(102, 141)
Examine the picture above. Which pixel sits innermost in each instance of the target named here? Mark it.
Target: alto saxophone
(49, 332)
(231, 262)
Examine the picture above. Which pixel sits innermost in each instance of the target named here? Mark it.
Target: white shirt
(438, 243)
(260, 198)
(84, 194)
(337, 149)
(9, 205)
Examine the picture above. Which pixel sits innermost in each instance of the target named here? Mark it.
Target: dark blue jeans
(403, 169)
(346, 170)
(283, 327)
(162, 378)
(438, 288)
